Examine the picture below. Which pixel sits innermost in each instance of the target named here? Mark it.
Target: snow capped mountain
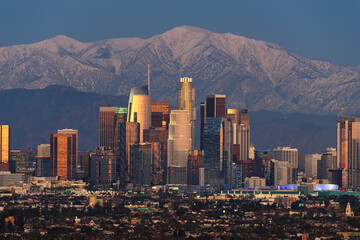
(253, 74)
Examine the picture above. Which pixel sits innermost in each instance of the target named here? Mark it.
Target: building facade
(5, 145)
(186, 101)
(287, 154)
(106, 126)
(139, 108)
(179, 142)
(218, 146)
(63, 152)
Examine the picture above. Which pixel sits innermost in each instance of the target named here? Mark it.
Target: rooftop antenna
(149, 79)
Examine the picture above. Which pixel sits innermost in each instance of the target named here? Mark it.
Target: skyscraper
(241, 133)
(139, 108)
(287, 154)
(4, 147)
(72, 131)
(141, 157)
(179, 142)
(106, 126)
(195, 162)
(218, 145)
(63, 151)
(311, 162)
(103, 166)
(215, 106)
(186, 101)
(348, 157)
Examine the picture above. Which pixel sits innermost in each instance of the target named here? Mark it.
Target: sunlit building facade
(139, 108)
(179, 142)
(63, 152)
(5, 143)
(106, 126)
(186, 101)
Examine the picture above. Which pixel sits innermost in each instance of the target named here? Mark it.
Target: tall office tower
(139, 108)
(4, 147)
(241, 133)
(43, 150)
(72, 131)
(186, 101)
(287, 154)
(215, 106)
(119, 118)
(103, 166)
(311, 162)
(262, 163)
(43, 162)
(218, 146)
(160, 114)
(63, 151)
(348, 157)
(159, 135)
(195, 162)
(328, 161)
(140, 164)
(18, 161)
(85, 165)
(128, 134)
(280, 173)
(106, 126)
(179, 144)
(202, 123)
(239, 116)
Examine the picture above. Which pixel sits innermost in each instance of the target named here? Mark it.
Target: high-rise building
(103, 166)
(18, 161)
(140, 164)
(195, 162)
(241, 130)
(43, 161)
(262, 163)
(106, 126)
(43, 150)
(218, 146)
(159, 135)
(202, 123)
(186, 101)
(179, 142)
(120, 117)
(128, 133)
(139, 108)
(287, 154)
(85, 165)
(280, 173)
(215, 106)
(63, 152)
(311, 162)
(160, 116)
(328, 161)
(348, 157)
(72, 131)
(4, 147)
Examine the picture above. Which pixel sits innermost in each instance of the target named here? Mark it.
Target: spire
(149, 79)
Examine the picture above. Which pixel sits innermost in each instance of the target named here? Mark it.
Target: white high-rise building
(186, 101)
(179, 143)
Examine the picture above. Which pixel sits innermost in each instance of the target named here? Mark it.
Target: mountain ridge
(253, 74)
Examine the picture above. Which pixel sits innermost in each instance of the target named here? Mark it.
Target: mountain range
(253, 74)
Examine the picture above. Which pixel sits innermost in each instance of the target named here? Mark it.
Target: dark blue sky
(318, 29)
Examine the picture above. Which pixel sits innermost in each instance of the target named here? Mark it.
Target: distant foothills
(34, 114)
(253, 74)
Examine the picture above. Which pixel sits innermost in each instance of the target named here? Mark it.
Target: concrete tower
(179, 144)
(186, 101)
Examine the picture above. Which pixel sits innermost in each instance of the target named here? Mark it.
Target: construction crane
(342, 109)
